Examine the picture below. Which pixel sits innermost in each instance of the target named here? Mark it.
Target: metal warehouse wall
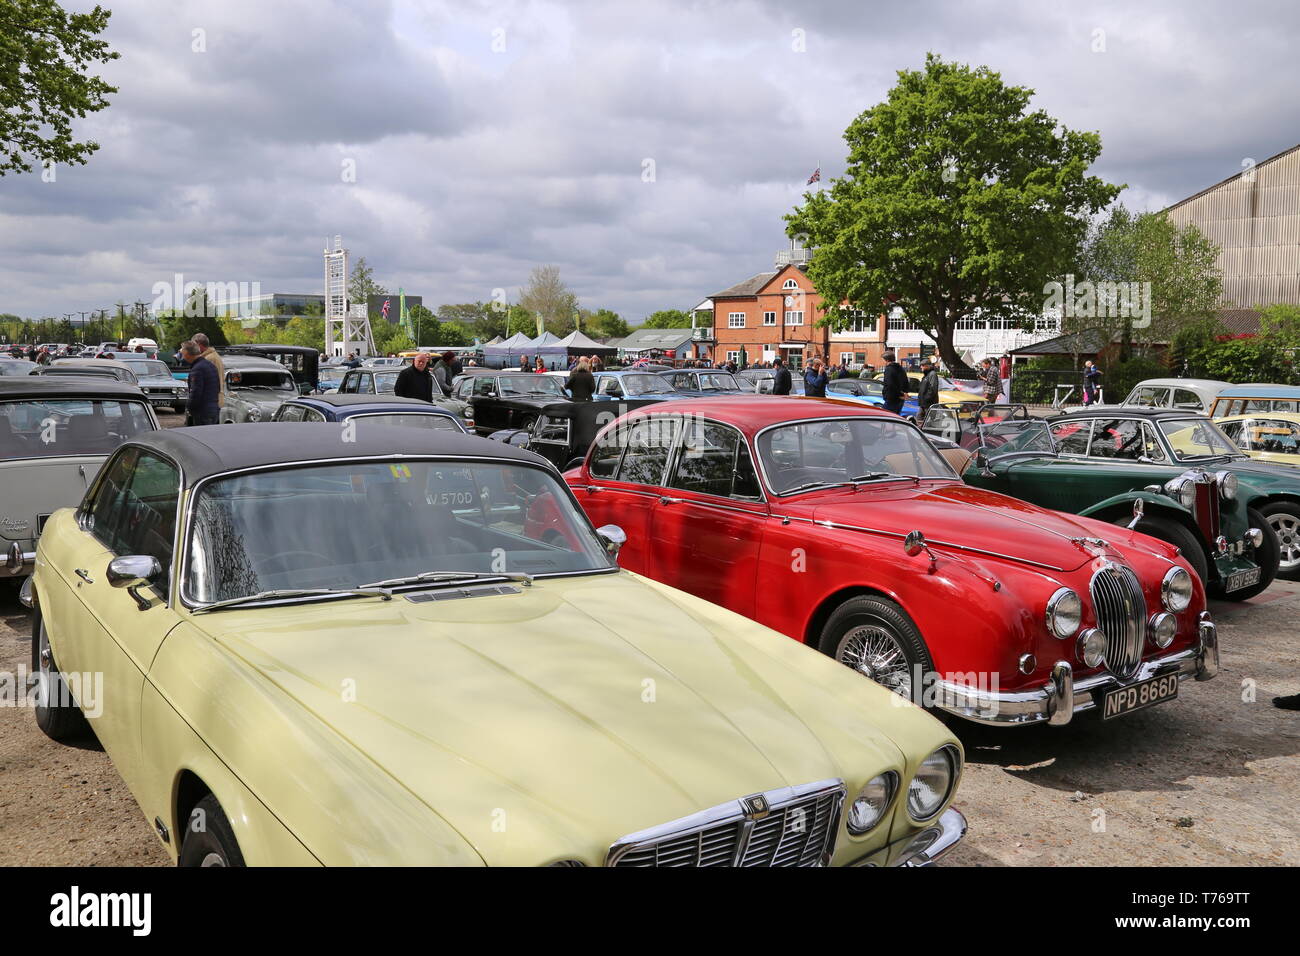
(1255, 219)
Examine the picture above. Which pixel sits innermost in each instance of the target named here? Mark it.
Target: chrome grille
(1121, 615)
(791, 826)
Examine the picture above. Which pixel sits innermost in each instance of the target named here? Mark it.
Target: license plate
(1241, 579)
(1124, 700)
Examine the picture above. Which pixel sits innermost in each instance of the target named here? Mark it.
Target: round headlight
(1064, 613)
(1176, 590)
(1227, 485)
(1092, 647)
(254, 414)
(1184, 489)
(932, 784)
(870, 806)
(1162, 628)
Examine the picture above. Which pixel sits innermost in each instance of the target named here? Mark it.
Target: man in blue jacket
(205, 386)
(815, 379)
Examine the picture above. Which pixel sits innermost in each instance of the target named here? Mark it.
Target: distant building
(1254, 216)
(671, 344)
(270, 304)
(777, 314)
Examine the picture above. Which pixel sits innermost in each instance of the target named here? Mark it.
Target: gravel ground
(1212, 778)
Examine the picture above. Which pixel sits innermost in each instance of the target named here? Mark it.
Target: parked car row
(795, 587)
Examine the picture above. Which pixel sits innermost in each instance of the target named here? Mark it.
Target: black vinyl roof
(66, 386)
(215, 449)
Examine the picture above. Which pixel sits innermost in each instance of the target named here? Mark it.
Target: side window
(1072, 437)
(714, 460)
(605, 453)
(648, 443)
(1188, 400)
(290, 413)
(1233, 431)
(366, 384)
(1120, 439)
(349, 385)
(311, 415)
(609, 385)
(138, 514)
(461, 391)
(1151, 443)
(104, 516)
(484, 384)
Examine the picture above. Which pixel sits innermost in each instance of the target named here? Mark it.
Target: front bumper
(18, 562)
(1062, 696)
(924, 847)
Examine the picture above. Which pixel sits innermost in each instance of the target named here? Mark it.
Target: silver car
(55, 433)
(255, 388)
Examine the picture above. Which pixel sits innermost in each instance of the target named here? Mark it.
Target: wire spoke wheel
(877, 654)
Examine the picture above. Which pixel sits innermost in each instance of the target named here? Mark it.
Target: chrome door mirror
(134, 571)
(612, 537)
(915, 544)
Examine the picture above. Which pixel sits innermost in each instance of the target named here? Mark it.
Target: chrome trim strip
(933, 842)
(1207, 661)
(1060, 702)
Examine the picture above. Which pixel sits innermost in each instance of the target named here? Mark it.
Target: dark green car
(1117, 465)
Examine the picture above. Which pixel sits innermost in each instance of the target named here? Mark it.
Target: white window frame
(732, 318)
(734, 356)
(790, 317)
(769, 318)
(790, 284)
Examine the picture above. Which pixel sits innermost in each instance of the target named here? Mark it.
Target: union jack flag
(815, 177)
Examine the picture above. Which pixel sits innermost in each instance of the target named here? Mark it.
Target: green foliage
(1179, 264)
(46, 81)
(1281, 324)
(1192, 336)
(667, 319)
(401, 342)
(956, 199)
(547, 295)
(1259, 359)
(362, 284)
(1119, 378)
(177, 327)
(604, 324)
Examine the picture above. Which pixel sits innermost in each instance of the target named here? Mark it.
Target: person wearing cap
(928, 393)
(444, 372)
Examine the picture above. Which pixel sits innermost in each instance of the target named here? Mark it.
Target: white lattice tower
(336, 298)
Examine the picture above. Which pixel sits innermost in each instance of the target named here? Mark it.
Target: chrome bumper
(1062, 696)
(924, 847)
(18, 561)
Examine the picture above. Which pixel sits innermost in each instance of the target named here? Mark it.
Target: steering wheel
(285, 556)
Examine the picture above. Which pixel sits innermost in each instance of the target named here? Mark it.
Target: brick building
(776, 314)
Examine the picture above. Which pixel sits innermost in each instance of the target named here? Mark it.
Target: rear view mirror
(613, 538)
(134, 571)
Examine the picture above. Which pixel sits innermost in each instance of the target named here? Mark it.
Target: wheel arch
(1157, 506)
(1264, 500)
(812, 631)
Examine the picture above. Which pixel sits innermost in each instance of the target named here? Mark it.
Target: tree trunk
(948, 352)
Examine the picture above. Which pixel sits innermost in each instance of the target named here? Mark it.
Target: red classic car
(842, 527)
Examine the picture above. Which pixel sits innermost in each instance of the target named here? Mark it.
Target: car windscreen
(715, 381)
(347, 524)
(1016, 437)
(532, 384)
(830, 451)
(263, 381)
(646, 385)
(16, 368)
(147, 369)
(1192, 438)
(116, 374)
(57, 427)
(413, 420)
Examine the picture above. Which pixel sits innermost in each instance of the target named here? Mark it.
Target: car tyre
(58, 714)
(1171, 532)
(1284, 518)
(875, 637)
(209, 839)
(1267, 556)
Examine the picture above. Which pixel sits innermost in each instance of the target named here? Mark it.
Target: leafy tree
(1280, 323)
(362, 284)
(401, 342)
(605, 324)
(46, 57)
(548, 295)
(520, 320)
(453, 334)
(178, 327)
(667, 319)
(956, 201)
(1177, 265)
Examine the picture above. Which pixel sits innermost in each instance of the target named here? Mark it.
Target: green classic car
(1271, 491)
(1118, 465)
(314, 649)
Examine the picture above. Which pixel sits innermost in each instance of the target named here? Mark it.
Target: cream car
(333, 652)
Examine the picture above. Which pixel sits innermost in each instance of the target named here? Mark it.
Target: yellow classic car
(300, 646)
(1268, 436)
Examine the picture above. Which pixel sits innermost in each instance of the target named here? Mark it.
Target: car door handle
(668, 501)
(84, 575)
(592, 489)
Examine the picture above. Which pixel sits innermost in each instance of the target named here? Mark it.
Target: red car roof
(751, 415)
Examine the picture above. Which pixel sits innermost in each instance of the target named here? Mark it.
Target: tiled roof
(666, 339)
(749, 287)
(1240, 321)
(1087, 342)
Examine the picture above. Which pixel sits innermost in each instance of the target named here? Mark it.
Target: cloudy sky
(647, 148)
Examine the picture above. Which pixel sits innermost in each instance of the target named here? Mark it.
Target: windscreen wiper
(367, 590)
(440, 577)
